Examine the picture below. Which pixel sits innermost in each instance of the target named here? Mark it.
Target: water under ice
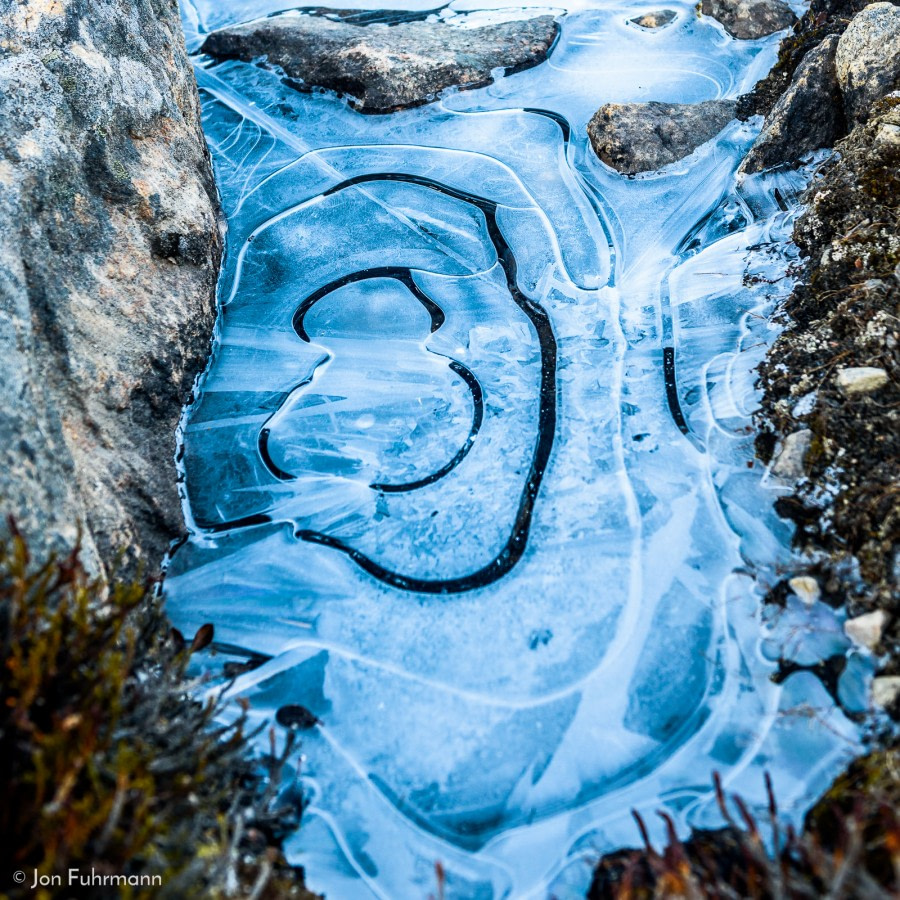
(470, 474)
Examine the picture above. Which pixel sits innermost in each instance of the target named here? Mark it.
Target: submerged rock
(749, 19)
(109, 244)
(641, 137)
(657, 19)
(868, 58)
(387, 67)
(806, 117)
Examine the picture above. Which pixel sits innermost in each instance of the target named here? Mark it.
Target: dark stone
(296, 716)
(383, 67)
(642, 137)
(750, 19)
(808, 115)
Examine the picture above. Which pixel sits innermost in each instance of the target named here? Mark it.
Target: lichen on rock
(868, 58)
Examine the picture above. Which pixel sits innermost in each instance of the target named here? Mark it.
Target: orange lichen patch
(30, 13)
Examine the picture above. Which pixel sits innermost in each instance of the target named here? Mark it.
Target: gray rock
(659, 18)
(868, 58)
(749, 19)
(790, 463)
(383, 67)
(806, 117)
(806, 588)
(109, 246)
(642, 137)
(886, 690)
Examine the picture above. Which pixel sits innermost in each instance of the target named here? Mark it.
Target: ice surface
(471, 469)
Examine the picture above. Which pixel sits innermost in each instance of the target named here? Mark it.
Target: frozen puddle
(471, 472)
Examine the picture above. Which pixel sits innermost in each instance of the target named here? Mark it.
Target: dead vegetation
(109, 764)
(849, 850)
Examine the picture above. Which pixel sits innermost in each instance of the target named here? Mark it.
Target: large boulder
(109, 246)
(642, 137)
(386, 67)
(749, 19)
(807, 116)
(868, 58)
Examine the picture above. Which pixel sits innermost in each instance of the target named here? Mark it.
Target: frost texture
(471, 476)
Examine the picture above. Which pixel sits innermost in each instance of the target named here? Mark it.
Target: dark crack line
(477, 418)
(672, 389)
(516, 543)
(437, 319)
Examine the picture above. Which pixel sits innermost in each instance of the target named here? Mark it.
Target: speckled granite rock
(807, 116)
(641, 137)
(109, 248)
(868, 59)
(386, 67)
(749, 19)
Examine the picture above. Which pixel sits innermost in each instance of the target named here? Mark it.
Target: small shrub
(849, 850)
(109, 764)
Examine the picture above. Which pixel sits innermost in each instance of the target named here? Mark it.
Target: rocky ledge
(386, 67)
(829, 73)
(109, 251)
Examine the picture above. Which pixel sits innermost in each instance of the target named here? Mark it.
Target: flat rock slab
(642, 137)
(383, 67)
(749, 19)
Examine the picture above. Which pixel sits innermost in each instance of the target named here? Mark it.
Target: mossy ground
(845, 313)
(109, 764)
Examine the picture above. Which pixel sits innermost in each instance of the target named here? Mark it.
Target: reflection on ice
(472, 467)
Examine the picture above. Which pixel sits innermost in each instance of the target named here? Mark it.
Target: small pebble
(657, 19)
(860, 380)
(789, 462)
(865, 630)
(806, 588)
(885, 690)
(296, 716)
